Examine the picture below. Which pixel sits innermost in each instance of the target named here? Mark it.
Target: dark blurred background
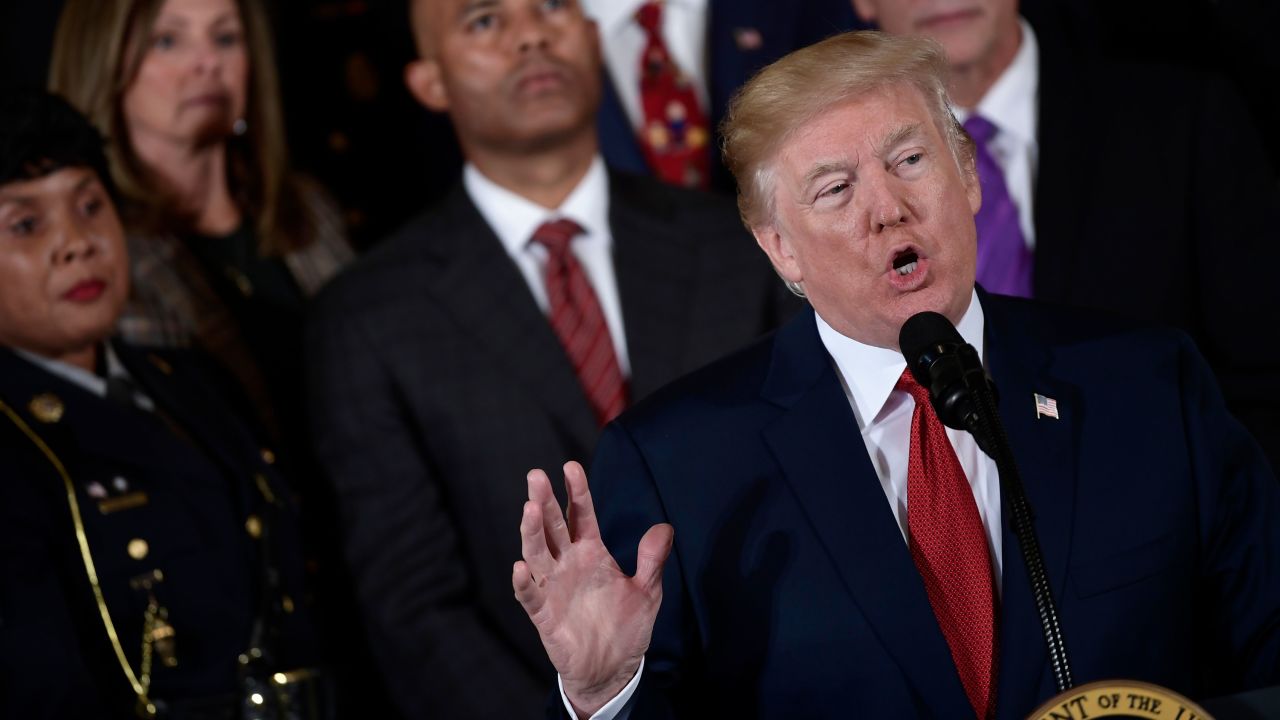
(353, 126)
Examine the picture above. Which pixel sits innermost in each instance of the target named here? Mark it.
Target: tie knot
(980, 129)
(650, 16)
(908, 384)
(556, 234)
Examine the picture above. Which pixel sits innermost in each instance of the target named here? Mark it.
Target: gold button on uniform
(268, 457)
(253, 526)
(286, 604)
(46, 407)
(138, 548)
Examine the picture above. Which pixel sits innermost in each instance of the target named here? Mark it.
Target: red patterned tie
(578, 321)
(675, 134)
(949, 547)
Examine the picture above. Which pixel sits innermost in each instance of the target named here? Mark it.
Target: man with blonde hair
(1149, 238)
(795, 532)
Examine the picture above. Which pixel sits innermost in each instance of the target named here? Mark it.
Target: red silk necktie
(949, 547)
(579, 322)
(675, 133)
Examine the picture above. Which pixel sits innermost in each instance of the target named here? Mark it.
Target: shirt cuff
(615, 709)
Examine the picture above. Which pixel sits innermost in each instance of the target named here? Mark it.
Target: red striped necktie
(579, 322)
(949, 547)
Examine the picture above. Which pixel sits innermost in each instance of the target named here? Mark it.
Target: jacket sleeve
(628, 503)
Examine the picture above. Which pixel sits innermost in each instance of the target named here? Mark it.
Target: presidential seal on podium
(1119, 699)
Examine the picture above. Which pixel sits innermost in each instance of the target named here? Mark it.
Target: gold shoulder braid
(141, 681)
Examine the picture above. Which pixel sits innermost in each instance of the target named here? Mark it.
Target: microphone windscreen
(921, 334)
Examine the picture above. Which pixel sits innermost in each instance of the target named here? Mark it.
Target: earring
(239, 127)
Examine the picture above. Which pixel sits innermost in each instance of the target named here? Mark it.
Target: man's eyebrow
(898, 136)
(823, 168)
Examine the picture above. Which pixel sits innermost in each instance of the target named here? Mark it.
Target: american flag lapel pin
(1046, 407)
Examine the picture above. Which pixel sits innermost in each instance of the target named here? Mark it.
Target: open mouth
(906, 262)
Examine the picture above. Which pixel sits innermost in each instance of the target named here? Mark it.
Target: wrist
(588, 698)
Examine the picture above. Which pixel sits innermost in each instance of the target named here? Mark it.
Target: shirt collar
(514, 217)
(610, 15)
(1010, 104)
(870, 373)
(78, 376)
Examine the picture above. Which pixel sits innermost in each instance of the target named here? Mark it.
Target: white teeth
(908, 268)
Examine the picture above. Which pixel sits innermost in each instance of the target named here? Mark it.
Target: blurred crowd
(292, 295)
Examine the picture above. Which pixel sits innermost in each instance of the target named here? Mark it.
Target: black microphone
(951, 370)
(965, 399)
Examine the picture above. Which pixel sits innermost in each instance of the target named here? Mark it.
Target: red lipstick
(85, 291)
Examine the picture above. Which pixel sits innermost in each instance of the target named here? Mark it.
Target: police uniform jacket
(180, 516)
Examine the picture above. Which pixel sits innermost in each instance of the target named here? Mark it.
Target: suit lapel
(484, 291)
(655, 265)
(818, 446)
(1045, 450)
(618, 141)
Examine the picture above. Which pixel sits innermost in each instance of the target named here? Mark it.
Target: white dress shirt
(684, 29)
(869, 375)
(514, 218)
(1013, 106)
(91, 382)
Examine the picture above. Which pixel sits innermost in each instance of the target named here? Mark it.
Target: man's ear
(972, 185)
(780, 252)
(426, 84)
(866, 9)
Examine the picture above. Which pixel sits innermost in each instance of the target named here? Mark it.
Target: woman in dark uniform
(149, 563)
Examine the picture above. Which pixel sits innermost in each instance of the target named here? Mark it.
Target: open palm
(595, 622)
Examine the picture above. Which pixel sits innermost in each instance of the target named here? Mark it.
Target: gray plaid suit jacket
(437, 383)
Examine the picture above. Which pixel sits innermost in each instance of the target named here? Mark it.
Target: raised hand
(595, 622)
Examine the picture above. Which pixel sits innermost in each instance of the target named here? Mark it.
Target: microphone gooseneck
(964, 398)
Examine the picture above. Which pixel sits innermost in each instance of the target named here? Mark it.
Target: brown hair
(788, 94)
(97, 51)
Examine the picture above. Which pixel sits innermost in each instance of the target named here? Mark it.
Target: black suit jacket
(1154, 199)
(438, 383)
(189, 495)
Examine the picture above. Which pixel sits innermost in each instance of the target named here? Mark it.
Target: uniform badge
(46, 407)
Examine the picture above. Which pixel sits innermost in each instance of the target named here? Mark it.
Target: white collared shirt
(514, 219)
(1013, 106)
(869, 375)
(89, 381)
(684, 29)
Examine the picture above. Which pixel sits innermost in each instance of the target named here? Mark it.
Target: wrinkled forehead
(868, 122)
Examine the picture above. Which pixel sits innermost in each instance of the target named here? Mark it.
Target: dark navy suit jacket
(780, 27)
(790, 591)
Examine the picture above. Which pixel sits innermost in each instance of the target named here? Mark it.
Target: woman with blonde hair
(226, 243)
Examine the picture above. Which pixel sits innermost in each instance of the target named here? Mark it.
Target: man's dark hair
(40, 133)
